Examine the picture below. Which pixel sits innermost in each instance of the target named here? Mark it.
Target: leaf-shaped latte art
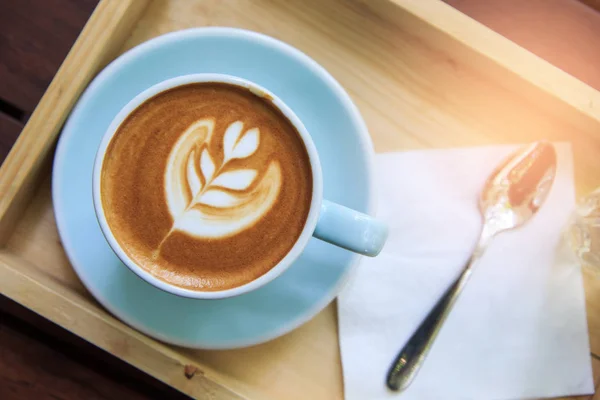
(239, 179)
(231, 137)
(236, 145)
(210, 200)
(192, 174)
(247, 145)
(241, 212)
(179, 190)
(207, 166)
(219, 199)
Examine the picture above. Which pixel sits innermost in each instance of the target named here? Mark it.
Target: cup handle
(350, 229)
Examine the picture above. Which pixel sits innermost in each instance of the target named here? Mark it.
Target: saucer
(301, 292)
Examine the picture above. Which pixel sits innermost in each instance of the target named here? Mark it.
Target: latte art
(206, 186)
(207, 200)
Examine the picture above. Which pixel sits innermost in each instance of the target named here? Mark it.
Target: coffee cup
(239, 213)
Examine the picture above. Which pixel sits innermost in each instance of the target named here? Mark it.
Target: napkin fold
(518, 331)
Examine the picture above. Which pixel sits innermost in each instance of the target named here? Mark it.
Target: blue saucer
(302, 291)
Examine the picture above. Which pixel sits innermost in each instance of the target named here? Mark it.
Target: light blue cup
(328, 221)
(309, 284)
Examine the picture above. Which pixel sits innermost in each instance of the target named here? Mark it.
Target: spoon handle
(411, 357)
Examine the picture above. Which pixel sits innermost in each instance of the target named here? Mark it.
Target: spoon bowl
(517, 188)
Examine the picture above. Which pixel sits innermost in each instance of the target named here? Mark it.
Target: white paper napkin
(518, 331)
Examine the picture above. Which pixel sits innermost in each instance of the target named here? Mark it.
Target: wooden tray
(422, 74)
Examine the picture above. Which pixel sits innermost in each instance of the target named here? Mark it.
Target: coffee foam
(206, 186)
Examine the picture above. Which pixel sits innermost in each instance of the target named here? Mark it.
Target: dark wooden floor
(39, 360)
(43, 361)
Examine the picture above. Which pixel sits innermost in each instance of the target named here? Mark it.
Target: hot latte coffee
(206, 186)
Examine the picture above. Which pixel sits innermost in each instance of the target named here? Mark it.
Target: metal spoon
(510, 197)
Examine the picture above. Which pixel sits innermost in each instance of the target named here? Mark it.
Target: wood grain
(38, 291)
(593, 4)
(562, 32)
(22, 359)
(51, 362)
(592, 291)
(32, 45)
(423, 76)
(596, 368)
(97, 43)
(9, 132)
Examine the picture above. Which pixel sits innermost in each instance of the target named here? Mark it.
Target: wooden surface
(34, 40)
(39, 359)
(43, 361)
(563, 32)
(455, 99)
(95, 46)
